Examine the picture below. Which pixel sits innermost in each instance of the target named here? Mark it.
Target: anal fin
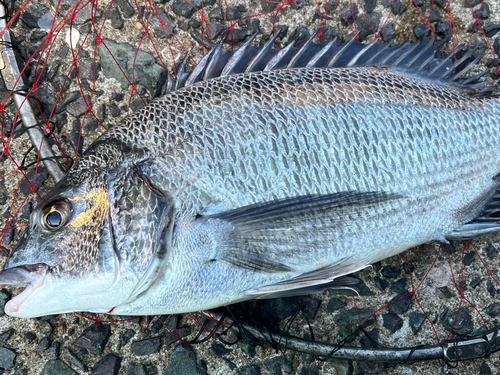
(329, 277)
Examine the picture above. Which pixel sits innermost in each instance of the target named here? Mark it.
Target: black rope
(412, 351)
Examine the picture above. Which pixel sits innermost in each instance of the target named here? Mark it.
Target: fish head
(86, 248)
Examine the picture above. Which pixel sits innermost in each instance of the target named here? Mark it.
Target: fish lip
(33, 275)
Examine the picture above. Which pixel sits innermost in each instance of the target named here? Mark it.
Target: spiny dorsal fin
(424, 59)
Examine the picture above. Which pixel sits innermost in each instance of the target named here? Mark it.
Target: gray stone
(435, 15)
(126, 336)
(268, 6)
(397, 8)
(94, 338)
(460, 324)
(4, 298)
(276, 364)
(125, 7)
(390, 272)
(57, 367)
(32, 14)
(216, 29)
(301, 34)
(349, 13)
(147, 72)
(73, 359)
(485, 369)
(420, 30)
(43, 345)
(381, 283)
(247, 347)
(416, 321)
(343, 366)
(115, 18)
(471, 3)
(184, 9)
(109, 365)
(349, 322)
(54, 350)
(399, 286)
(403, 305)
(179, 332)
(78, 107)
(84, 14)
(388, 32)
(168, 27)
(7, 357)
(136, 369)
(492, 251)
(334, 304)
(392, 322)
(469, 257)
(372, 367)
(219, 350)
(5, 335)
(494, 309)
(483, 11)
(249, 370)
(370, 338)
(312, 307)
(146, 347)
(370, 5)
(183, 361)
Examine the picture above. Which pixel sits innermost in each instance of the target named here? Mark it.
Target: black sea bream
(266, 173)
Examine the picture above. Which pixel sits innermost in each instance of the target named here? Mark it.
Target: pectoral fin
(273, 236)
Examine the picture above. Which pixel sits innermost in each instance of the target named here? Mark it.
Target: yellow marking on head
(99, 205)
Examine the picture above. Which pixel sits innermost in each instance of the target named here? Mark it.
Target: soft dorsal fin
(424, 59)
(486, 222)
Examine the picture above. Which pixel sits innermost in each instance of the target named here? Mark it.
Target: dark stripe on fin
(423, 59)
(267, 237)
(342, 282)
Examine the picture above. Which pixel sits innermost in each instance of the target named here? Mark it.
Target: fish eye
(53, 219)
(55, 215)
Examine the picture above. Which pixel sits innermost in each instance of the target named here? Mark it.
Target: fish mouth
(31, 275)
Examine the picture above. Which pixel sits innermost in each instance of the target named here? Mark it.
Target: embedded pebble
(416, 319)
(403, 305)
(146, 347)
(392, 322)
(183, 361)
(73, 359)
(94, 338)
(7, 357)
(248, 370)
(32, 14)
(494, 309)
(57, 367)
(109, 365)
(461, 324)
(4, 298)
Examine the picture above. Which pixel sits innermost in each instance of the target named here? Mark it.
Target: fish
(267, 173)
